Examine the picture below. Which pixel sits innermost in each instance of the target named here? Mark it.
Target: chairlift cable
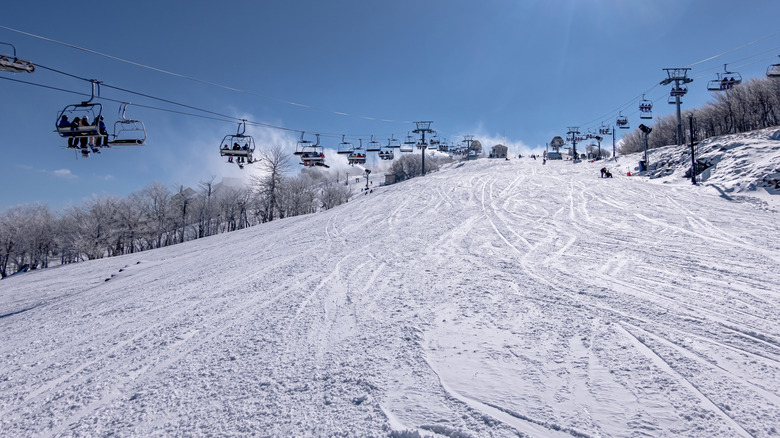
(733, 50)
(118, 101)
(179, 75)
(223, 117)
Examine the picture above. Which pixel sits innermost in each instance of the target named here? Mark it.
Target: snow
(491, 298)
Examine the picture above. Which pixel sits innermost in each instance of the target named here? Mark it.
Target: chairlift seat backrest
(90, 111)
(11, 63)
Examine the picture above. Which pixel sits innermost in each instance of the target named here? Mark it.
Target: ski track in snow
(493, 298)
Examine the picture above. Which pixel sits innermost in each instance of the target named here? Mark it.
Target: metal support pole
(423, 127)
(678, 101)
(599, 140)
(422, 151)
(614, 152)
(693, 153)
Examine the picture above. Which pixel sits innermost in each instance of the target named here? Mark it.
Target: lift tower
(574, 132)
(423, 128)
(680, 77)
(468, 139)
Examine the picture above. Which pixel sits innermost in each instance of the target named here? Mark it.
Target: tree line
(755, 104)
(32, 236)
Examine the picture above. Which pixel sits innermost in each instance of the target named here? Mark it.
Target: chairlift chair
(681, 90)
(645, 108)
(435, 142)
(673, 101)
(373, 145)
(127, 132)
(344, 147)
(358, 155)
(13, 64)
(604, 129)
(82, 134)
(393, 143)
(302, 145)
(387, 151)
(408, 145)
(312, 154)
(386, 154)
(90, 111)
(622, 121)
(725, 81)
(238, 147)
(773, 71)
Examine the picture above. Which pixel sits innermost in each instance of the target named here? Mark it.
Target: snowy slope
(492, 298)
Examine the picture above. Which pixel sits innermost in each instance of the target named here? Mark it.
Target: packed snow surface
(491, 298)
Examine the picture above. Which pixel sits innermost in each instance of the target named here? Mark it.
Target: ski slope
(491, 298)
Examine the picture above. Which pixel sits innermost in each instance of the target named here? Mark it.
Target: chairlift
(302, 145)
(773, 71)
(645, 108)
(408, 145)
(422, 145)
(393, 143)
(680, 90)
(373, 145)
(443, 146)
(725, 81)
(435, 142)
(312, 154)
(345, 147)
(604, 129)
(387, 151)
(13, 64)
(238, 147)
(673, 100)
(358, 155)
(386, 154)
(127, 132)
(73, 123)
(622, 121)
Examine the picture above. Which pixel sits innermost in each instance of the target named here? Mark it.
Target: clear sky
(520, 69)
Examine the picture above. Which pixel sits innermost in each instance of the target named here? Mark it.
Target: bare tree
(156, 202)
(90, 229)
(130, 221)
(274, 162)
(180, 202)
(9, 234)
(332, 194)
(204, 209)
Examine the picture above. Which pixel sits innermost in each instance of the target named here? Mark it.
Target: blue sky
(521, 69)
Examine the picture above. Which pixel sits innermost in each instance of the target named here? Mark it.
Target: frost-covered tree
(155, 200)
(91, 228)
(181, 203)
(204, 209)
(332, 194)
(410, 166)
(131, 223)
(28, 237)
(298, 195)
(274, 162)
